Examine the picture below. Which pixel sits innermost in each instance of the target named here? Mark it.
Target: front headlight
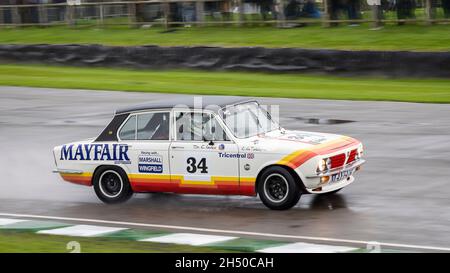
(323, 165)
(360, 152)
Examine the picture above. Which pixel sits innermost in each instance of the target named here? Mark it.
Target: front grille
(352, 156)
(337, 161)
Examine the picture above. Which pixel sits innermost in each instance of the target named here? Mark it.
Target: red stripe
(305, 156)
(302, 158)
(164, 185)
(225, 187)
(80, 180)
(152, 187)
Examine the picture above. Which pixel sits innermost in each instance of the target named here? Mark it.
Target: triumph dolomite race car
(230, 146)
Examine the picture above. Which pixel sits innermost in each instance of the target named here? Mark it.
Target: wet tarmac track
(400, 196)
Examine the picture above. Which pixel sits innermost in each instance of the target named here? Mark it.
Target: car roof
(213, 103)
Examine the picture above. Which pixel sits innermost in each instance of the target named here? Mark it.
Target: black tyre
(278, 189)
(111, 185)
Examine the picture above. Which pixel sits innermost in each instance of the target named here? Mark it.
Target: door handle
(177, 147)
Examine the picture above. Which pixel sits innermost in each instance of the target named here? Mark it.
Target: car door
(203, 159)
(148, 137)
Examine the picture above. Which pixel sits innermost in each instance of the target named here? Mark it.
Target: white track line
(81, 231)
(9, 221)
(306, 248)
(189, 239)
(324, 239)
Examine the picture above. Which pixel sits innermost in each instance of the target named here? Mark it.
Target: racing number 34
(193, 166)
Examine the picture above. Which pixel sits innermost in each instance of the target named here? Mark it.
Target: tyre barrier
(294, 60)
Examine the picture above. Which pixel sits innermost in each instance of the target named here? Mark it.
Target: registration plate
(342, 175)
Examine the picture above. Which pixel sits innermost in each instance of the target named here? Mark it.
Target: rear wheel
(278, 189)
(111, 185)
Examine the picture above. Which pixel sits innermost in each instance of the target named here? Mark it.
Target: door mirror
(212, 136)
(209, 138)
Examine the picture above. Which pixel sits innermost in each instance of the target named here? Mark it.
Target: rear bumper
(75, 176)
(67, 171)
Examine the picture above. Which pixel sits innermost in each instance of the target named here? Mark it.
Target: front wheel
(111, 185)
(278, 189)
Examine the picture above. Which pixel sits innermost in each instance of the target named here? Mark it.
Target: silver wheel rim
(276, 188)
(110, 184)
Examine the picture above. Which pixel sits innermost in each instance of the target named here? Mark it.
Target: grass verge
(25, 242)
(391, 37)
(228, 83)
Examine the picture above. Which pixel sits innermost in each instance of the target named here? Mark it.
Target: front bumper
(316, 185)
(329, 187)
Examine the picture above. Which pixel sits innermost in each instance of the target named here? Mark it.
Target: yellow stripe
(285, 160)
(183, 181)
(149, 176)
(226, 178)
(292, 155)
(194, 182)
(248, 179)
(77, 174)
(212, 181)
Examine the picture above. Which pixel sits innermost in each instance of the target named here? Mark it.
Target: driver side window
(193, 126)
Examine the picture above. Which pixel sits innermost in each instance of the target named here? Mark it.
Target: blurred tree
(267, 9)
(353, 10)
(139, 15)
(405, 10)
(310, 9)
(16, 17)
(446, 7)
(292, 9)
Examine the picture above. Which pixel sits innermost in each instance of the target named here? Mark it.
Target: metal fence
(282, 13)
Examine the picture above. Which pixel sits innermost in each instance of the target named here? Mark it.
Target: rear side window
(128, 131)
(148, 126)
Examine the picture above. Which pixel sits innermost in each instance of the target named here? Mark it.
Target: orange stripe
(297, 158)
(217, 185)
(81, 179)
(151, 180)
(198, 186)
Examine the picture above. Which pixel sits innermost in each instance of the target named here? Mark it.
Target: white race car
(230, 146)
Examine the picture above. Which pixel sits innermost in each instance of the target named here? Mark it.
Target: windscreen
(248, 119)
